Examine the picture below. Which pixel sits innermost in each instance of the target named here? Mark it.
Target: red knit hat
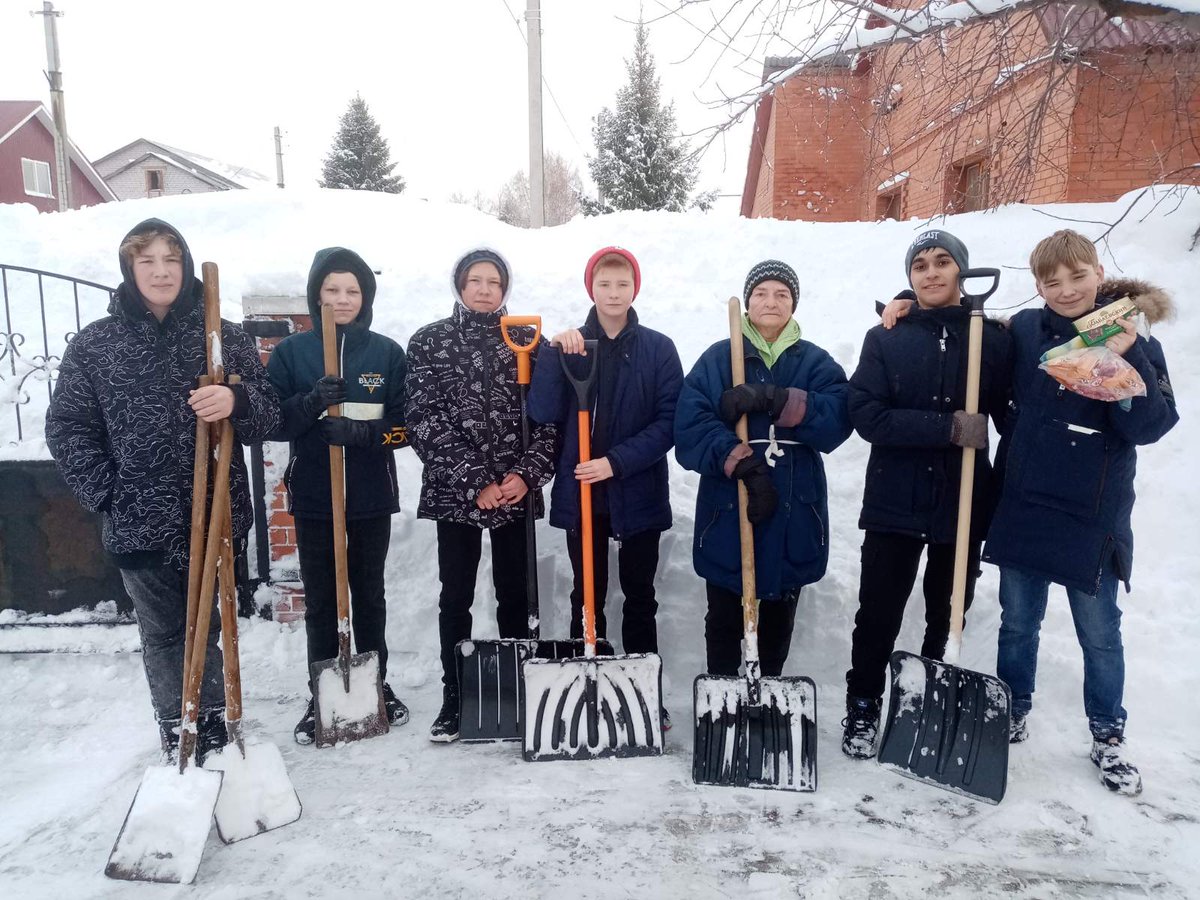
(619, 251)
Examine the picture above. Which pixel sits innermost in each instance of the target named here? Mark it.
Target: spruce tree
(359, 158)
(641, 162)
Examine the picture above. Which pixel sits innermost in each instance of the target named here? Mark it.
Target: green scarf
(770, 353)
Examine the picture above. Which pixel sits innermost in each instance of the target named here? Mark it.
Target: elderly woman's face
(770, 308)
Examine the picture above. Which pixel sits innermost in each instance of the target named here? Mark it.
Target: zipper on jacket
(942, 339)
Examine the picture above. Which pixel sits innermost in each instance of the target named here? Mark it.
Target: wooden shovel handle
(196, 536)
(966, 486)
(212, 322)
(737, 362)
(337, 489)
(227, 582)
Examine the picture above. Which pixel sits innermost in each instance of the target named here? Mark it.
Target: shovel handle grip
(524, 370)
(737, 363)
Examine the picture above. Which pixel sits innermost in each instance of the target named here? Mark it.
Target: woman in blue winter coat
(795, 398)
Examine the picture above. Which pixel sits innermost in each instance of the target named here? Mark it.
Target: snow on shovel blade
(947, 726)
(492, 692)
(256, 793)
(769, 744)
(167, 826)
(348, 715)
(587, 708)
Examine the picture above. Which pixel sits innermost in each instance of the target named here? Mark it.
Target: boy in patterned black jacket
(122, 429)
(371, 428)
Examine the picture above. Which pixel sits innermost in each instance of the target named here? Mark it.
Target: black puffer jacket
(121, 431)
(464, 418)
(909, 381)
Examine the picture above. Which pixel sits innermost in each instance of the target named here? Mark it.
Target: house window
(890, 205)
(969, 186)
(37, 178)
(155, 181)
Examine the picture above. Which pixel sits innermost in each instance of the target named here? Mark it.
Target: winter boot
(1018, 728)
(860, 727)
(1117, 773)
(445, 727)
(211, 734)
(666, 720)
(397, 712)
(305, 731)
(168, 736)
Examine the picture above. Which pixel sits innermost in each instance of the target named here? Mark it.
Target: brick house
(1052, 104)
(28, 169)
(146, 168)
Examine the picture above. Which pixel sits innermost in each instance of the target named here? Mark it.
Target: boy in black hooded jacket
(371, 427)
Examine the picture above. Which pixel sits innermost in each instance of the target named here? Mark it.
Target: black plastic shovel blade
(348, 715)
(947, 726)
(770, 744)
(592, 707)
(491, 690)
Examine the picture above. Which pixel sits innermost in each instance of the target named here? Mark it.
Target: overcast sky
(446, 80)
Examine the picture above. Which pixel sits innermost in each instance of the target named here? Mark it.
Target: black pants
(637, 564)
(366, 550)
(459, 548)
(889, 570)
(723, 629)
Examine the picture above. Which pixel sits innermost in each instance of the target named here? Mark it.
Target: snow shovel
(166, 828)
(947, 725)
(591, 707)
(256, 793)
(347, 690)
(491, 691)
(753, 731)
(164, 832)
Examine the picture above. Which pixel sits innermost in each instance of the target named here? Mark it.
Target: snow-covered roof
(225, 176)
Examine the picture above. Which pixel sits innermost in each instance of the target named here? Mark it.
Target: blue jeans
(1098, 627)
(159, 598)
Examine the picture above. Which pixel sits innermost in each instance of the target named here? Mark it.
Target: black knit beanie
(772, 270)
(944, 239)
(477, 256)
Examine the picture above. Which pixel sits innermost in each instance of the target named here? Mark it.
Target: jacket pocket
(1066, 468)
(892, 485)
(805, 534)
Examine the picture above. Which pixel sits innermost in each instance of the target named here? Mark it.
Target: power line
(545, 83)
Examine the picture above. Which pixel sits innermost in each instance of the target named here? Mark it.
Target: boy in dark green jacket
(371, 427)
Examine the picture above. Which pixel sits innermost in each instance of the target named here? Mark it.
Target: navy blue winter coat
(373, 367)
(1069, 462)
(792, 548)
(121, 431)
(909, 381)
(640, 429)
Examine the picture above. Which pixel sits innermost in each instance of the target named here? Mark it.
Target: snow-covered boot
(168, 736)
(1018, 728)
(211, 734)
(1117, 773)
(397, 712)
(860, 728)
(305, 731)
(445, 727)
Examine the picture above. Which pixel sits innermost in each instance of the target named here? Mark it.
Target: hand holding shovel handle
(337, 487)
(966, 484)
(524, 372)
(737, 361)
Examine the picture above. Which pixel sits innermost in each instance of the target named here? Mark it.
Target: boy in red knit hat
(638, 380)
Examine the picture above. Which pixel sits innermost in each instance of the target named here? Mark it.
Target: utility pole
(58, 106)
(278, 158)
(533, 26)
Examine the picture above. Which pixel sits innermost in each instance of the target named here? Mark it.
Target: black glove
(329, 390)
(969, 429)
(762, 498)
(347, 432)
(751, 398)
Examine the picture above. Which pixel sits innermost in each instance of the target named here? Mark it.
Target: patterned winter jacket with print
(464, 418)
(120, 428)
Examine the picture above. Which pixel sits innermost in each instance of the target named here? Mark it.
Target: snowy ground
(398, 816)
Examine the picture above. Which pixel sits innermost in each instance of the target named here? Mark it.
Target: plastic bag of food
(1095, 372)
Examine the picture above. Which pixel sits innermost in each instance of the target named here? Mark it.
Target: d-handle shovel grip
(522, 350)
(583, 386)
(976, 299)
